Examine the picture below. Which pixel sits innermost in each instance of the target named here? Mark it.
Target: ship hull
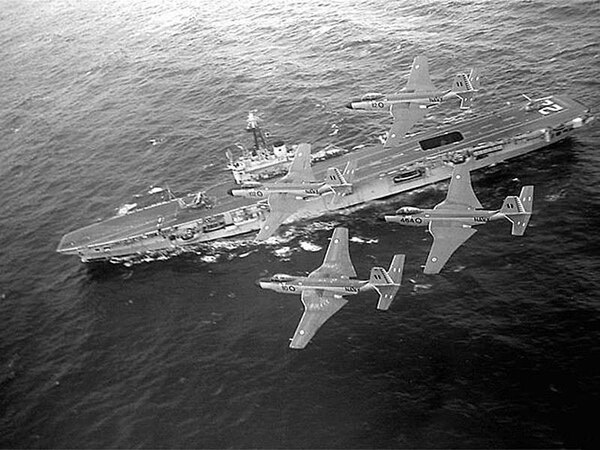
(381, 172)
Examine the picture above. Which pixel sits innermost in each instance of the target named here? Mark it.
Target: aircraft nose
(260, 282)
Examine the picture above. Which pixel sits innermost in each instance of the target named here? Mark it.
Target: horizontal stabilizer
(349, 171)
(518, 210)
(386, 295)
(396, 268)
(526, 197)
(474, 77)
(466, 100)
(519, 223)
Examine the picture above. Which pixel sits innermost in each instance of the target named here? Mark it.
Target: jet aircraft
(288, 194)
(450, 221)
(411, 103)
(323, 290)
(302, 184)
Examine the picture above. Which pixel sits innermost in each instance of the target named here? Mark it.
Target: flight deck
(422, 159)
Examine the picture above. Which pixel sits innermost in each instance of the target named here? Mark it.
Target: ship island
(175, 224)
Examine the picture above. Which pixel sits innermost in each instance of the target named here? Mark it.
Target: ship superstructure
(266, 160)
(263, 160)
(175, 224)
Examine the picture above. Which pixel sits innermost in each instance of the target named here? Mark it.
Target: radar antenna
(261, 144)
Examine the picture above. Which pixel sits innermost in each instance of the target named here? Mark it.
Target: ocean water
(101, 99)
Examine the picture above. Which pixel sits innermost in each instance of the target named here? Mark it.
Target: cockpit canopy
(408, 211)
(372, 96)
(281, 277)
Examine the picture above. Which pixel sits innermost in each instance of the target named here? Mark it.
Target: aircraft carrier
(175, 224)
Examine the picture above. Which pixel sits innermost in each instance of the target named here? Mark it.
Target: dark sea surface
(100, 100)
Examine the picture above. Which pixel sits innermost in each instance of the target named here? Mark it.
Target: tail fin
(518, 210)
(349, 171)
(526, 197)
(387, 283)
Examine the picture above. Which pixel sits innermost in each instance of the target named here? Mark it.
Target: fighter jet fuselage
(299, 189)
(425, 99)
(287, 284)
(416, 217)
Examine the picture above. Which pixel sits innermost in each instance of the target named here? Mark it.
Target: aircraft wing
(447, 237)
(300, 170)
(405, 116)
(419, 79)
(460, 192)
(319, 306)
(337, 261)
(282, 206)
